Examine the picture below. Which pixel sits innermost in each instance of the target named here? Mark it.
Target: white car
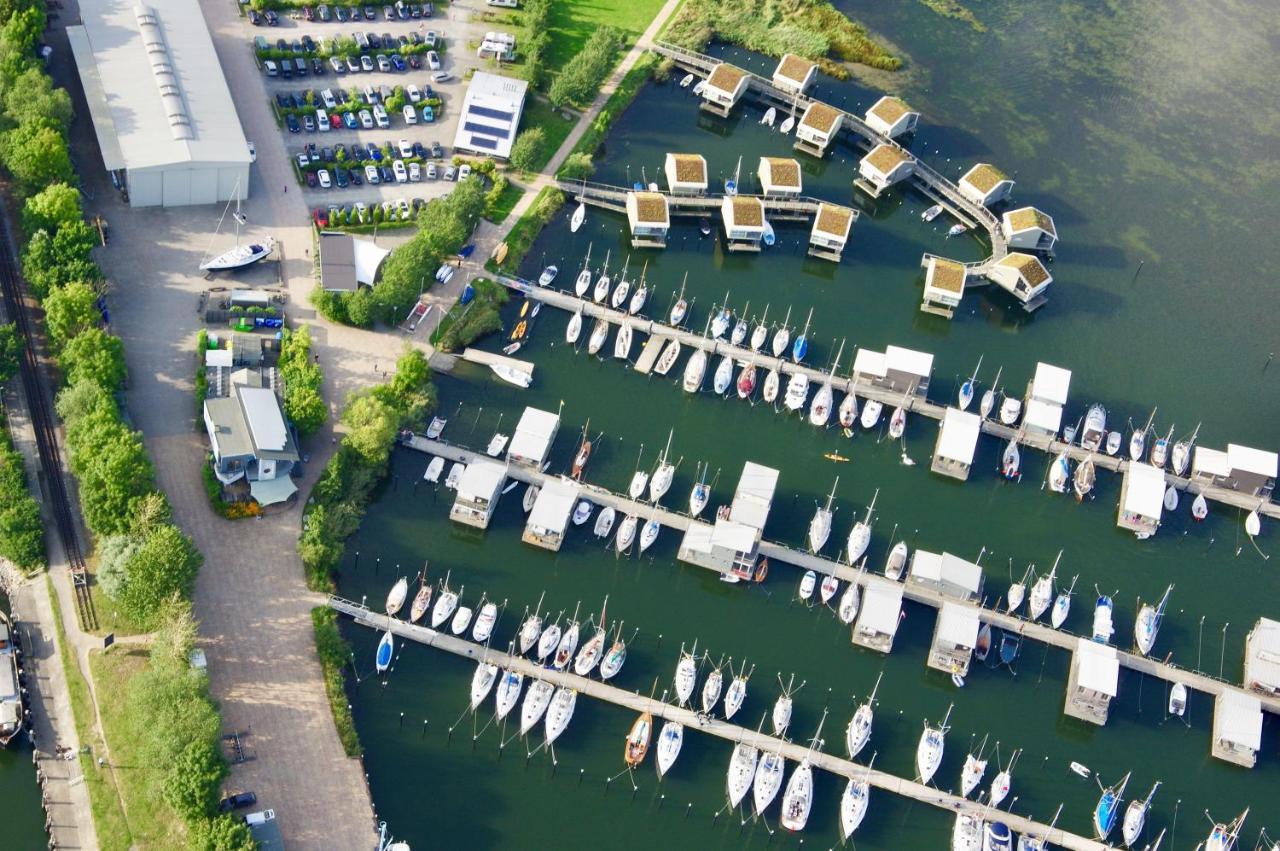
(366, 63)
(433, 60)
(380, 116)
(432, 174)
(402, 174)
(353, 67)
(410, 114)
(413, 93)
(325, 180)
(464, 171)
(415, 172)
(441, 77)
(330, 102)
(366, 119)
(337, 65)
(450, 173)
(371, 174)
(406, 150)
(322, 121)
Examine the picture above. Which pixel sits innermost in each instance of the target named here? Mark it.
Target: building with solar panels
(490, 115)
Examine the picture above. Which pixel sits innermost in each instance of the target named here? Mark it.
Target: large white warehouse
(159, 102)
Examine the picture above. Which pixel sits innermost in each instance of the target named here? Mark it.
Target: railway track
(45, 426)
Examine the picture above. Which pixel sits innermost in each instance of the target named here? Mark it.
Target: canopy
(881, 607)
(1145, 491)
(959, 437)
(1051, 383)
(1239, 719)
(271, 491)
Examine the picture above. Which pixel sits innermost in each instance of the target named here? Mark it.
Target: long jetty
(721, 729)
(614, 198)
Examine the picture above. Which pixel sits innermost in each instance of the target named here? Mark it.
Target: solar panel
(482, 142)
(491, 113)
(499, 132)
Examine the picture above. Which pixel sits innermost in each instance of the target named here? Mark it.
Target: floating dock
(635, 702)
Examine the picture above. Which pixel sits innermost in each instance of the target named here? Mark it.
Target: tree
(164, 565)
(11, 348)
(360, 308)
(96, 355)
(410, 390)
(580, 78)
(306, 409)
(70, 310)
(32, 99)
(81, 399)
(577, 166)
(191, 787)
(371, 424)
(114, 552)
(75, 240)
(52, 207)
(36, 155)
(223, 833)
(528, 149)
(152, 511)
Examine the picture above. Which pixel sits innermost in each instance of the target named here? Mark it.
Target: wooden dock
(614, 198)
(635, 702)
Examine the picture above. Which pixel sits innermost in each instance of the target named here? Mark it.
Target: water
(1141, 128)
(20, 812)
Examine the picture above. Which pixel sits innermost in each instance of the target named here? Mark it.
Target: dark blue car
(291, 121)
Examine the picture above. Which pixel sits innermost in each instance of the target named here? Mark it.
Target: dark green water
(21, 818)
(1147, 130)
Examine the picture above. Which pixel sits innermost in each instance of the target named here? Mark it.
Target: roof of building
(1052, 383)
(946, 275)
(833, 219)
(154, 85)
(1212, 462)
(1256, 461)
(821, 117)
(885, 158)
(690, 168)
(945, 569)
(909, 361)
(534, 434)
(881, 606)
(984, 177)
(1043, 415)
(958, 625)
(1262, 659)
(1144, 494)
(747, 211)
(1099, 667)
(346, 262)
(754, 495)
(250, 422)
(782, 171)
(218, 357)
(732, 535)
(1238, 719)
(490, 114)
(553, 506)
(726, 77)
(1030, 268)
(870, 362)
(1029, 218)
(889, 109)
(958, 436)
(482, 479)
(794, 68)
(651, 207)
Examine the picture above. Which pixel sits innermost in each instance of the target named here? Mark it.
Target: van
(410, 114)
(370, 97)
(322, 121)
(270, 68)
(327, 97)
(380, 117)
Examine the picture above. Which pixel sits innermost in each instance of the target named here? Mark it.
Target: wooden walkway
(709, 204)
(635, 702)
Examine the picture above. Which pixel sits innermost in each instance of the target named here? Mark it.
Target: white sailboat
(670, 741)
(599, 333)
(740, 328)
(768, 780)
(619, 298)
(898, 423)
(808, 582)
(485, 620)
(622, 343)
(482, 683)
(929, 750)
(626, 533)
(1042, 592)
(508, 693)
(965, 395)
(742, 770)
(797, 801)
(603, 283)
(772, 384)
(848, 413)
(694, 370)
(574, 329)
(830, 585)
(723, 376)
(396, 596)
(578, 217)
(681, 307)
(700, 494)
(988, 403)
(850, 600)
(967, 833)
(583, 281)
(444, 606)
(1181, 456)
(614, 658)
(686, 676)
(536, 701)
(781, 337)
(1059, 473)
(1138, 440)
(461, 620)
(1003, 782)
(781, 716)
(531, 629)
(666, 360)
(1062, 606)
(820, 525)
(560, 712)
(734, 697)
(568, 644)
(1147, 626)
(1135, 817)
(711, 689)
(760, 333)
(1199, 507)
(853, 804)
(858, 733)
(240, 255)
(1018, 591)
(660, 483)
(548, 641)
(593, 650)
(971, 775)
(649, 533)
(860, 534)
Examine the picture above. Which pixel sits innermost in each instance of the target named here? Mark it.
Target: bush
(21, 527)
(581, 77)
(11, 349)
(528, 148)
(70, 310)
(114, 552)
(52, 207)
(36, 155)
(303, 403)
(164, 565)
(94, 355)
(334, 652)
(577, 166)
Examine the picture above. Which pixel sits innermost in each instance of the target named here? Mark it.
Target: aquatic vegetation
(957, 10)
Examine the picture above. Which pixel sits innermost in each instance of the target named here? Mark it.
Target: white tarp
(368, 257)
(482, 480)
(1262, 663)
(1239, 720)
(958, 625)
(959, 437)
(1210, 462)
(1043, 415)
(1099, 667)
(218, 357)
(271, 491)
(1051, 383)
(534, 434)
(1145, 493)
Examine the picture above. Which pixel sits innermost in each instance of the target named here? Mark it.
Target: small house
(725, 546)
(531, 443)
(985, 184)
(1141, 499)
(743, 222)
(957, 441)
(830, 234)
(723, 88)
(794, 74)
(347, 262)
(947, 574)
(877, 623)
(1093, 681)
(1046, 395)
(250, 438)
(1209, 466)
(1262, 657)
(1237, 728)
(891, 117)
(649, 219)
(686, 174)
(549, 518)
(497, 45)
(779, 176)
(1022, 275)
(818, 128)
(1252, 471)
(944, 282)
(954, 637)
(1029, 228)
(897, 369)
(884, 166)
(477, 493)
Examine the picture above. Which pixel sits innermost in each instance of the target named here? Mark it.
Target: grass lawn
(538, 112)
(507, 200)
(573, 22)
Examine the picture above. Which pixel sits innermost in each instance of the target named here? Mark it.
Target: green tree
(577, 166)
(152, 511)
(164, 565)
(528, 149)
(36, 155)
(410, 390)
(52, 207)
(371, 424)
(11, 348)
(70, 310)
(580, 78)
(96, 355)
(360, 307)
(224, 833)
(33, 99)
(306, 409)
(114, 552)
(192, 785)
(82, 399)
(18, 39)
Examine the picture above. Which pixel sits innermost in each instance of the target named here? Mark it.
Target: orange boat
(580, 460)
(638, 740)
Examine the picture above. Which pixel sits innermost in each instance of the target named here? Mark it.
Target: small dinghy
(1080, 769)
(769, 236)
(1178, 700)
(530, 497)
(461, 620)
(1253, 524)
(436, 427)
(1114, 438)
(1200, 507)
(828, 589)
(931, 213)
(1171, 498)
(686, 80)
(982, 648)
(770, 115)
(386, 649)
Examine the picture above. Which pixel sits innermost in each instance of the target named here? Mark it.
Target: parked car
(340, 14)
(284, 100)
(431, 171)
(370, 13)
(308, 45)
(397, 62)
(335, 121)
(431, 39)
(338, 66)
(415, 37)
(437, 150)
(326, 97)
(323, 176)
(380, 117)
(340, 177)
(312, 154)
(322, 121)
(270, 68)
(414, 61)
(433, 60)
(308, 13)
(413, 93)
(384, 64)
(256, 19)
(323, 13)
(388, 174)
(356, 179)
(450, 173)
(302, 160)
(371, 175)
(352, 64)
(389, 13)
(428, 114)
(299, 66)
(239, 799)
(410, 114)
(464, 171)
(362, 40)
(361, 211)
(326, 155)
(349, 119)
(415, 172)
(441, 77)
(273, 20)
(291, 121)
(309, 123)
(312, 180)
(366, 119)
(366, 63)
(375, 153)
(320, 217)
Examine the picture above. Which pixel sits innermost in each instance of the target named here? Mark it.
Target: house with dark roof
(1023, 275)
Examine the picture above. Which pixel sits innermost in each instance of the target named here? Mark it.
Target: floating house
(649, 219)
(985, 184)
(944, 282)
(731, 544)
(550, 515)
(1209, 466)
(743, 222)
(1029, 228)
(478, 492)
(531, 443)
(1262, 657)
(723, 88)
(957, 441)
(1141, 499)
(897, 369)
(794, 74)
(779, 177)
(1022, 275)
(830, 234)
(954, 636)
(686, 174)
(1237, 728)
(1046, 396)
(1093, 681)
(818, 128)
(891, 117)
(946, 574)
(1251, 471)
(877, 623)
(884, 166)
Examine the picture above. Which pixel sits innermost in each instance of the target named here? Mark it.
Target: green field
(538, 112)
(573, 21)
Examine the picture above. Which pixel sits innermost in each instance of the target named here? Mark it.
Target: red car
(335, 121)
(321, 217)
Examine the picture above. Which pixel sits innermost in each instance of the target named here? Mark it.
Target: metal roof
(1099, 667)
(1043, 415)
(959, 437)
(490, 114)
(481, 480)
(945, 569)
(1239, 719)
(1145, 492)
(868, 362)
(1213, 462)
(731, 535)
(553, 506)
(534, 434)
(754, 495)
(881, 607)
(958, 625)
(1051, 384)
(908, 361)
(263, 415)
(1256, 461)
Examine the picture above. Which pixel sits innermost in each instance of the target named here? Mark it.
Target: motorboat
(711, 689)
(1108, 808)
(770, 114)
(830, 585)
(771, 386)
(694, 370)
(871, 413)
(496, 444)
(536, 700)
(956, 230)
(896, 561)
(982, 646)
(560, 712)
(734, 697)
(383, 656)
(240, 256)
(670, 741)
(548, 275)
(548, 641)
(820, 407)
(768, 234)
(723, 376)
(396, 596)
(686, 677)
(967, 833)
(931, 213)
(686, 80)
(530, 497)
(768, 780)
(622, 343)
(1084, 478)
(797, 391)
(574, 329)
(444, 608)
(820, 525)
(1112, 446)
(649, 533)
(666, 360)
(1253, 524)
(565, 649)
(807, 583)
(1062, 607)
(720, 323)
(482, 683)
(1223, 836)
(997, 837)
(579, 215)
(604, 522)
(461, 620)
(697, 89)
(436, 427)
(1178, 699)
(742, 770)
(508, 693)
(511, 375)
(1135, 817)
(898, 423)
(853, 805)
(930, 748)
(797, 800)
(613, 659)
(582, 512)
(485, 620)
(421, 601)
(1103, 627)
(637, 745)
(704, 226)
(1011, 460)
(1010, 643)
(620, 293)
(781, 716)
(1199, 507)
(1080, 769)
(599, 333)
(1095, 428)
(1059, 473)
(971, 775)
(849, 602)
(1160, 450)
(1147, 626)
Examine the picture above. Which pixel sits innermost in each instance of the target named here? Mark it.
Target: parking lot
(361, 124)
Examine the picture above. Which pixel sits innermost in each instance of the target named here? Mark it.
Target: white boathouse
(1046, 395)
(478, 491)
(1023, 276)
(1262, 657)
(1029, 228)
(944, 282)
(1251, 471)
(1141, 499)
(686, 174)
(957, 442)
(723, 88)
(818, 128)
(985, 184)
(649, 219)
(732, 544)
(955, 635)
(890, 116)
(884, 166)
(830, 232)
(877, 623)
(743, 222)
(947, 574)
(779, 176)
(897, 369)
(1237, 728)
(794, 74)
(531, 443)
(1093, 682)
(549, 518)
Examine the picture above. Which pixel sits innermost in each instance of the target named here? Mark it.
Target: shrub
(164, 565)
(21, 527)
(52, 207)
(11, 349)
(334, 651)
(526, 152)
(36, 155)
(95, 355)
(114, 552)
(580, 79)
(577, 166)
(70, 310)
(303, 403)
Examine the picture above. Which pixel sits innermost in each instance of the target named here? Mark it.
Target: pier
(635, 702)
(614, 198)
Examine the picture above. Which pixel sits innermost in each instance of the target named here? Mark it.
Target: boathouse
(531, 444)
(818, 128)
(1141, 499)
(1024, 276)
(649, 219)
(550, 515)
(725, 546)
(884, 166)
(897, 369)
(1237, 728)
(944, 282)
(1046, 396)
(1262, 657)
(957, 441)
(946, 574)
(753, 497)
(723, 88)
(881, 613)
(743, 222)
(985, 184)
(1029, 228)
(1251, 471)
(478, 492)
(1209, 466)
(1093, 681)
(891, 117)
(794, 74)
(686, 174)
(830, 234)
(779, 176)
(954, 636)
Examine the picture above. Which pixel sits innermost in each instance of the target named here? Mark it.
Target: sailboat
(898, 423)
(860, 534)
(1253, 524)
(1062, 606)
(660, 483)
(742, 770)
(982, 647)
(386, 649)
(848, 413)
(1003, 782)
(612, 662)
(686, 675)
(1059, 473)
(700, 494)
(649, 533)
(578, 217)
(1138, 440)
(560, 712)
(746, 383)
(482, 683)
(820, 525)
(858, 733)
(548, 641)
(1223, 836)
(592, 652)
(720, 320)
(1084, 478)
(1147, 626)
(768, 780)
(988, 403)
(694, 370)
(622, 343)
(581, 457)
(396, 596)
(485, 619)
(530, 497)
(444, 607)
(670, 741)
(711, 689)
(1108, 808)
(967, 833)
(800, 347)
(971, 775)
(965, 396)
(583, 282)
(1042, 591)
(820, 408)
(740, 328)
(723, 376)
(853, 804)
(830, 585)
(1011, 460)
(850, 600)
(603, 283)
(637, 745)
(1018, 591)
(929, 750)
(536, 700)
(1181, 455)
(681, 307)
(770, 390)
(797, 801)
(731, 184)
(781, 337)
(568, 644)
(1160, 450)
(781, 716)
(666, 360)
(1136, 816)
(531, 629)
(508, 693)
(573, 330)
(1200, 507)
(604, 522)
(626, 533)
(240, 255)
(421, 600)
(620, 292)
(1170, 498)
(461, 620)
(1103, 626)
(736, 694)
(760, 333)
(599, 333)
(641, 295)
